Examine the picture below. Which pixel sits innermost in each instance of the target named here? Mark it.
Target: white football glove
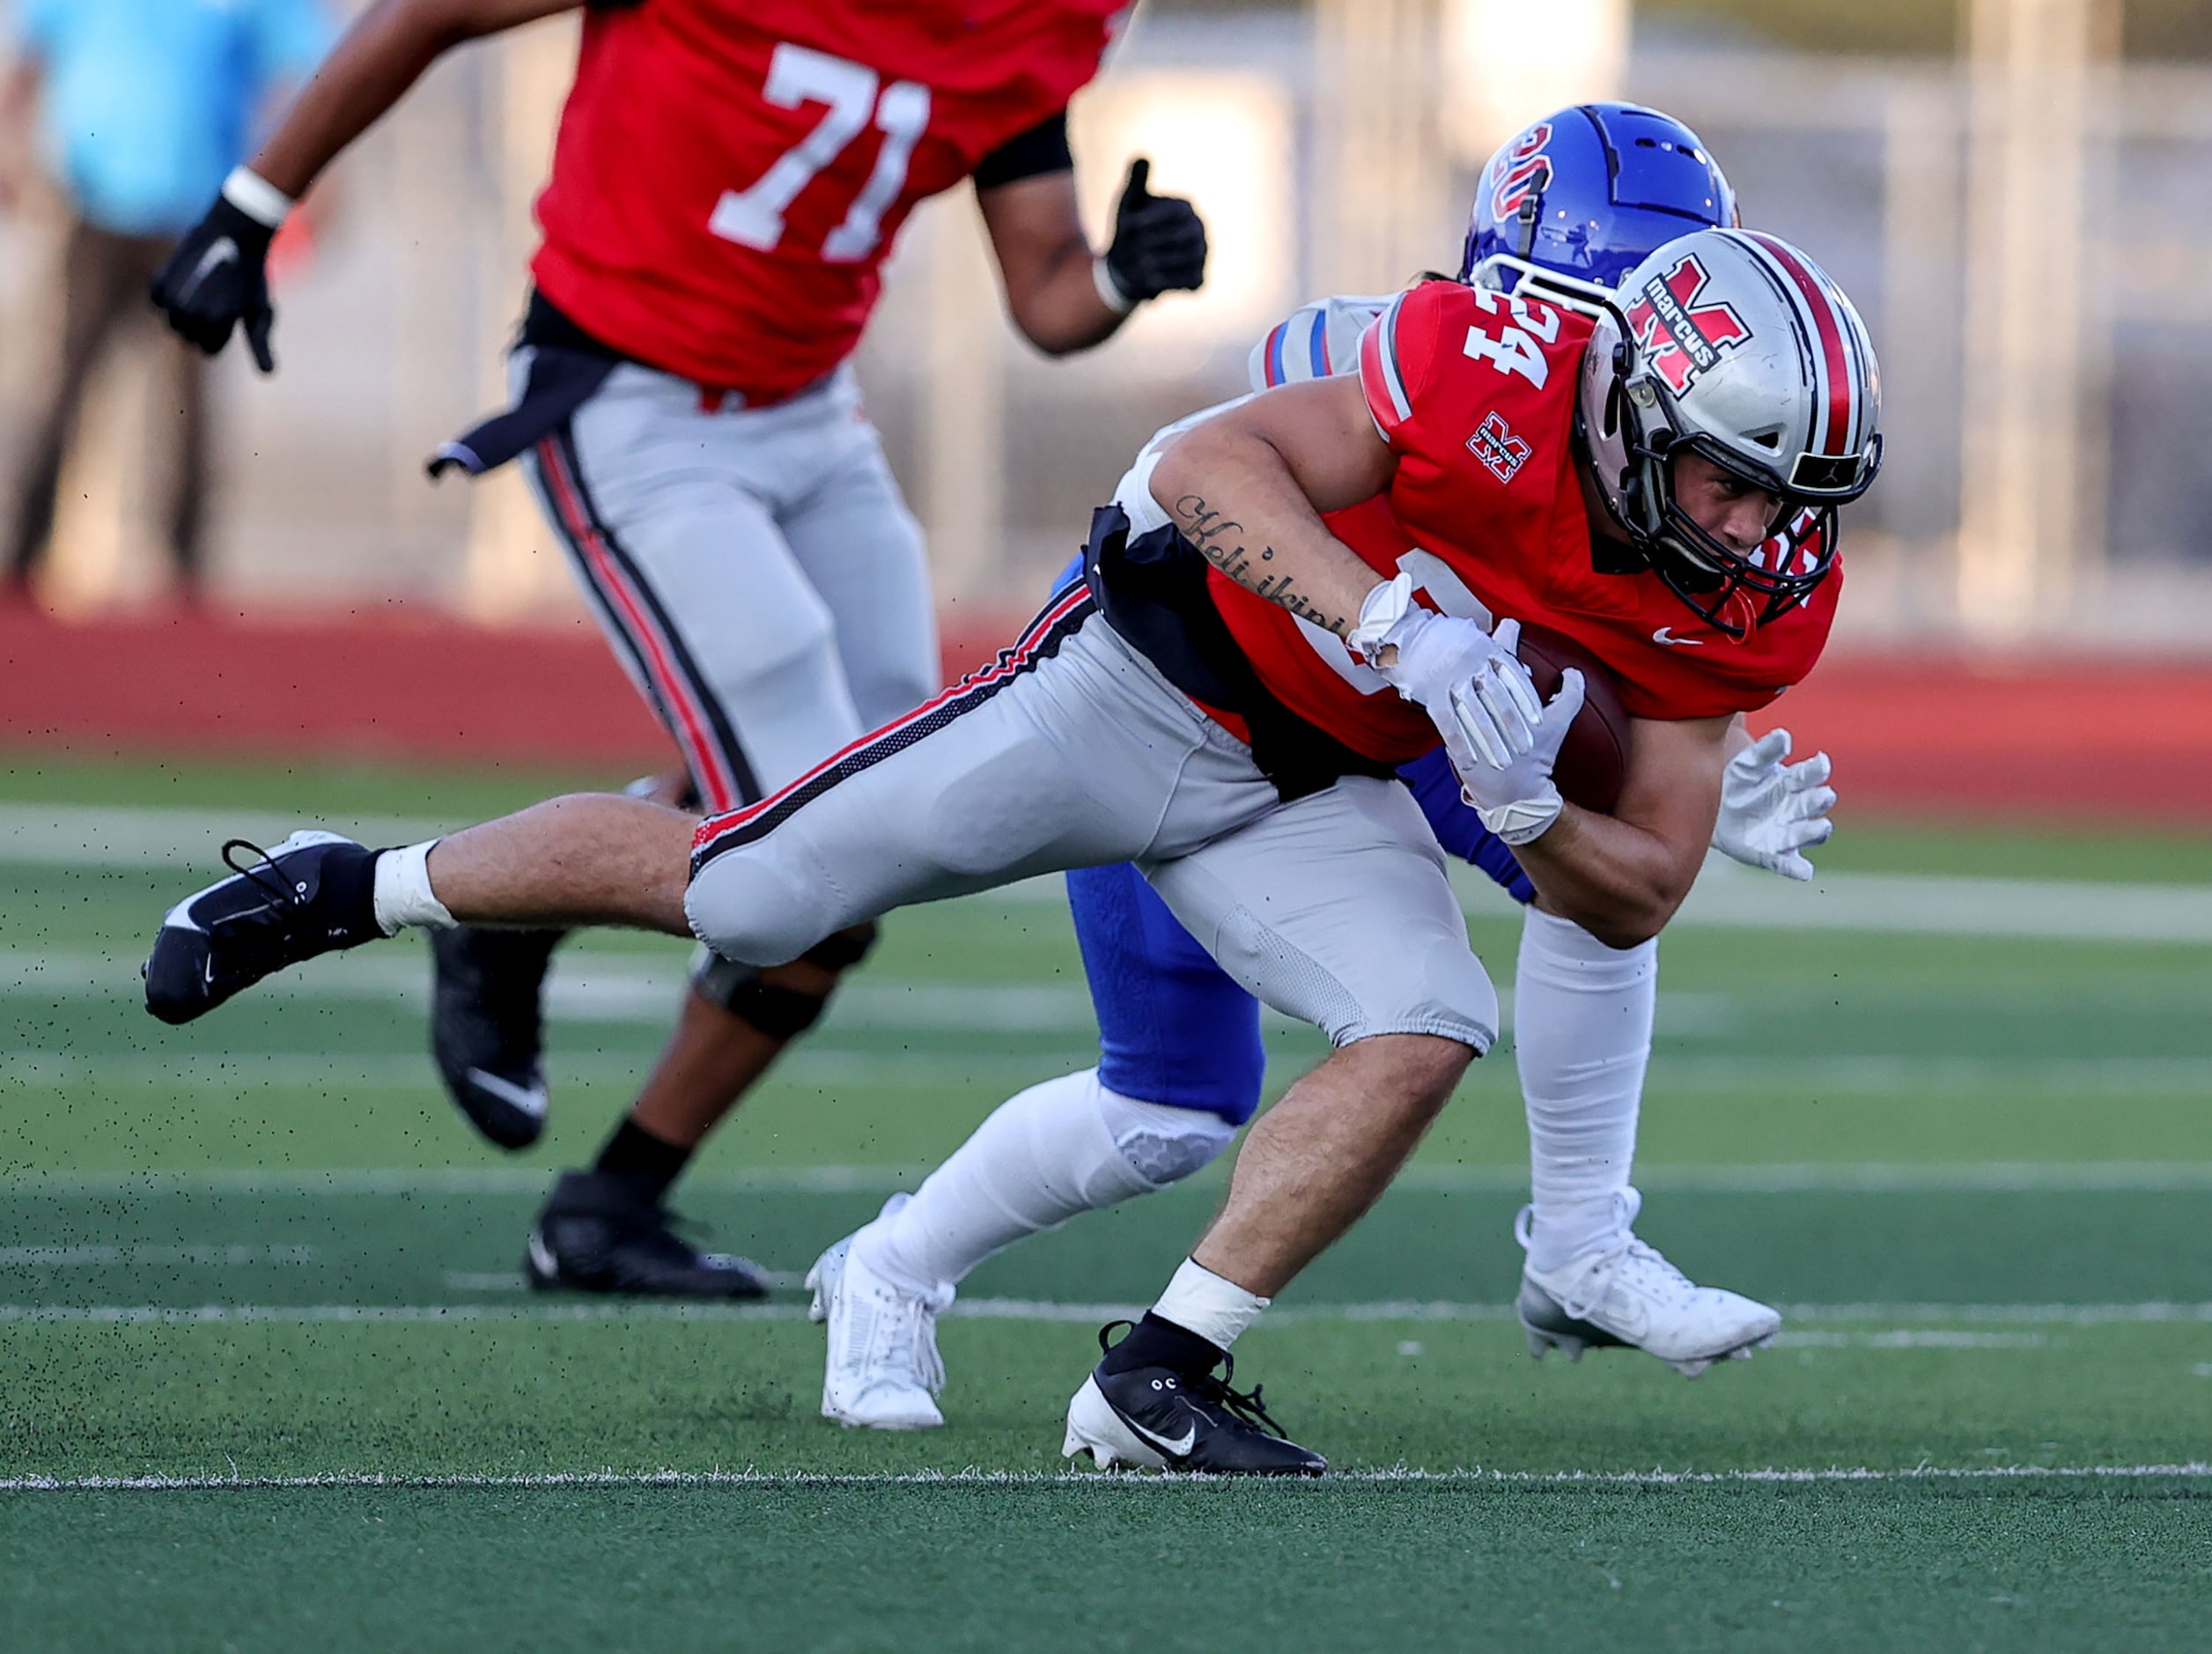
(1434, 652)
(1503, 740)
(1772, 812)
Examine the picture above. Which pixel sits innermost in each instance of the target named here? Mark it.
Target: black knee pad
(843, 950)
(780, 1013)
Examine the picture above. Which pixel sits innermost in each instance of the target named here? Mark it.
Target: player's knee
(782, 1009)
(749, 912)
(1422, 1067)
(800, 646)
(1162, 1144)
(844, 949)
(774, 1008)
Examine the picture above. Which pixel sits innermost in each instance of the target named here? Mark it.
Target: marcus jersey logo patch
(1681, 338)
(1502, 452)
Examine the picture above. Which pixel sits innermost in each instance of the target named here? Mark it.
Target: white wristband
(1382, 612)
(256, 197)
(1109, 292)
(1522, 823)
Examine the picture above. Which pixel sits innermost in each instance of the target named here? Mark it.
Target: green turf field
(268, 1378)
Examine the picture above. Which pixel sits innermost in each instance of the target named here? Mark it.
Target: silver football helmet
(1733, 345)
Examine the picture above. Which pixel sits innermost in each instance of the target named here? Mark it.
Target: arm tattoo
(1221, 539)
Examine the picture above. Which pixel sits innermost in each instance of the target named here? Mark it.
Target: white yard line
(2190, 1470)
(231, 1072)
(1732, 896)
(118, 835)
(98, 1256)
(598, 987)
(1882, 1334)
(2117, 1177)
(60, 835)
(127, 836)
(823, 1063)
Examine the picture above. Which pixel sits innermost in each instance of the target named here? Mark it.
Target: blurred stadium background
(2014, 190)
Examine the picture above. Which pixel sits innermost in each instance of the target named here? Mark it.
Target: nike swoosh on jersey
(529, 1098)
(1665, 635)
(221, 251)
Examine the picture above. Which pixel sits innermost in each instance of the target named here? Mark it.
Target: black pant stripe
(1042, 640)
(723, 733)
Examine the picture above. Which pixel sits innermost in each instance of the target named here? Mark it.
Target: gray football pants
(755, 570)
(1074, 752)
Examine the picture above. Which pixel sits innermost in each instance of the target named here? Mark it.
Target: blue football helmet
(1592, 191)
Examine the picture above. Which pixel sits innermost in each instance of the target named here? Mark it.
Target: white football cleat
(1627, 1295)
(884, 1372)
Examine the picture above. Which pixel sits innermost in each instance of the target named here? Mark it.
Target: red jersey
(730, 174)
(1475, 393)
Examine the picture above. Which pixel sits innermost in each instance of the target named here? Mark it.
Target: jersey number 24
(799, 74)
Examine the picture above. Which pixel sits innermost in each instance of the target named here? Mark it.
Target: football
(1594, 762)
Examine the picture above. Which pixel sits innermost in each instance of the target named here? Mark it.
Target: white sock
(1582, 1020)
(1064, 1147)
(1213, 1306)
(404, 895)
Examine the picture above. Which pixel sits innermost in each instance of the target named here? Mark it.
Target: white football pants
(755, 570)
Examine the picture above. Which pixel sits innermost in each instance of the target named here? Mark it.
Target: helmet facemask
(1732, 589)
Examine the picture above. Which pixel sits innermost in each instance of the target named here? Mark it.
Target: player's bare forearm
(1044, 263)
(383, 54)
(1248, 487)
(1621, 876)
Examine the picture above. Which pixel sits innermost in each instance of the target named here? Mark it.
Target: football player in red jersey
(1586, 193)
(1225, 703)
(727, 179)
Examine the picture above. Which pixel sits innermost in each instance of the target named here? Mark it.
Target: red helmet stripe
(1842, 385)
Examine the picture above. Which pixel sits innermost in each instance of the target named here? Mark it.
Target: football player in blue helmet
(1581, 196)
(1589, 192)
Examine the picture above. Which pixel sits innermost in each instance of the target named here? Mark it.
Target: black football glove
(219, 277)
(1159, 242)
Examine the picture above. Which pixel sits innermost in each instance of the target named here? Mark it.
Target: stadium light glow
(1504, 66)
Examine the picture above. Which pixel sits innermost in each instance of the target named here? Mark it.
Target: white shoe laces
(1643, 1268)
(895, 1340)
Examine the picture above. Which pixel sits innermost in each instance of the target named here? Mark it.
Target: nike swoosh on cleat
(541, 1257)
(531, 1099)
(1181, 1449)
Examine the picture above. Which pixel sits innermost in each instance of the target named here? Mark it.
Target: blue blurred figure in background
(137, 110)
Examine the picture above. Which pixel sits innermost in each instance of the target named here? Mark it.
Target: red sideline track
(1909, 733)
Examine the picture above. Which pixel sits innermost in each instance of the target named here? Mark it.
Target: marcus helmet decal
(1681, 338)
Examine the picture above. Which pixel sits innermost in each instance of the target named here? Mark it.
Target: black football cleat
(1156, 1418)
(602, 1233)
(314, 894)
(486, 1029)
